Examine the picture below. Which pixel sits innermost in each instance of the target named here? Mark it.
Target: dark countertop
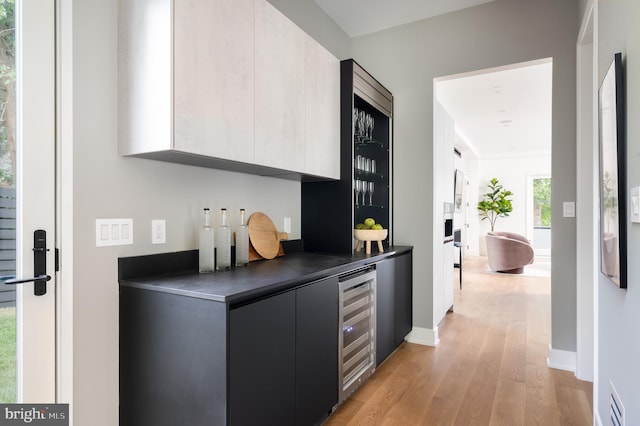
(259, 278)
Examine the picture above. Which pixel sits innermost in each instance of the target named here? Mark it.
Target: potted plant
(495, 203)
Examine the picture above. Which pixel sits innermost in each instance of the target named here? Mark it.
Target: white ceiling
(502, 112)
(360, 17)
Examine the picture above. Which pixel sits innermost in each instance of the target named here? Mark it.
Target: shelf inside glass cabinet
(363, 174)
(362, 141)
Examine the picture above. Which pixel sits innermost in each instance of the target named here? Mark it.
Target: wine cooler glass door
(357, 331)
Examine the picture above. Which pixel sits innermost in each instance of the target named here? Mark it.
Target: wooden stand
(368, 246)
(368, 235)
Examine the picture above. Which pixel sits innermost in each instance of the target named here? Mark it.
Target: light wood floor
(489, 368)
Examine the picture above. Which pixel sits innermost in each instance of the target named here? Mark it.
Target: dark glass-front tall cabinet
(331, 209)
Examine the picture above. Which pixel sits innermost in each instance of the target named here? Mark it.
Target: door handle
(39, 265)
(10, 280)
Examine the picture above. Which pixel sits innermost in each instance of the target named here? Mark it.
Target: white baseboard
(423, 336)
(596, 418)
(562, 360)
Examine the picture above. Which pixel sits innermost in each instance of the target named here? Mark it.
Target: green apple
(360, 226)
(377, 227)
(369, 222)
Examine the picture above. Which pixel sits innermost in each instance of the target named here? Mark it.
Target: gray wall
(583, 6)
(315, 22)
(108, 186)
(619, 310)
(408, 58)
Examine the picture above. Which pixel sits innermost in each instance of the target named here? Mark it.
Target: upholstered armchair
(508, 252)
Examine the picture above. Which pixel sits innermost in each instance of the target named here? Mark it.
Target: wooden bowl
(370, 234)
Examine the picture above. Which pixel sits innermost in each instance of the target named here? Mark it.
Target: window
(542, 202)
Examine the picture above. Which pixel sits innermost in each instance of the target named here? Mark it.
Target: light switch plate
(635, 204)
(114, 232)
(568, 209)
(158, 231)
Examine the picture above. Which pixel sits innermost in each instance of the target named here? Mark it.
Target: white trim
(561, 360)
(596, 417)
(65, 206)
(35, 197)
(586, 198)
(423, 336)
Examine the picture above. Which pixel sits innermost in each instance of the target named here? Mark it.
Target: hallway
(489, 368)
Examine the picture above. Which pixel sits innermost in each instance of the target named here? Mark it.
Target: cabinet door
(316, 351)
(322, 117)
(213, 81)
(403, 273)
(262, 358)
(144, 76)
(173, 357)
(279, 90)
(385, 309)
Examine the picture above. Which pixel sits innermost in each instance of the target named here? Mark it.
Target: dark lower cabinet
(283, 357)
(393, 303)
(403, 297)
(272, 361)
(316, 351)
(385, 306)
(261, 359)
(173, 357)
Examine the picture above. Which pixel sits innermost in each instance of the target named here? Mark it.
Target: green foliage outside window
(542, 202)
(7, 94)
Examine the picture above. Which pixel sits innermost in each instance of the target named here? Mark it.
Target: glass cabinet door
(371, 164)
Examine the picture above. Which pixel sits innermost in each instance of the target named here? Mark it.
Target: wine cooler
(357, 343)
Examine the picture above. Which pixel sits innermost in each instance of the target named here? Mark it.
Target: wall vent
(616, 409)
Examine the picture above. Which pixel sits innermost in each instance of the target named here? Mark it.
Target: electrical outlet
(158, 231)
(287, 225)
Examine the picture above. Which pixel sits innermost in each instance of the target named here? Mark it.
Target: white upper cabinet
(280, 94)
(322, 111)
(230, 84)
(297, 104)
(213, 78)
(145, 106)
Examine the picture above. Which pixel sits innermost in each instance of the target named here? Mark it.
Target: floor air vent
(616, 409)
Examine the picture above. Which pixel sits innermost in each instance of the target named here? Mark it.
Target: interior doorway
(500, 119)
(502, 124)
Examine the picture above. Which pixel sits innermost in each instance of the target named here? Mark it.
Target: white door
(32, 158)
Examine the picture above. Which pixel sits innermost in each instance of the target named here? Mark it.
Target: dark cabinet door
(385, 307)
(403, 276)
(172, 359)
(262, 358)
(316, 351)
